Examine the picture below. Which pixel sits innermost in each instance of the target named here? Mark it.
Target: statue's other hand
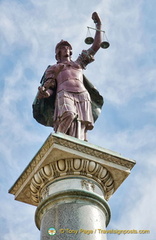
(42, 93)
(41, 89)
(96, 18)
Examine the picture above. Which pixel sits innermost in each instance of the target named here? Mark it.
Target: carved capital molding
(89, 149)
(62, 156)
(65, 168)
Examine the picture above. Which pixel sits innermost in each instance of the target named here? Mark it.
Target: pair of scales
(89, 39)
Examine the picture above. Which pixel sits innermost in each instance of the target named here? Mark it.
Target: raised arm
(98, 36)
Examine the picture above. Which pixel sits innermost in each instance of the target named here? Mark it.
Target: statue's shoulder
(48, 69)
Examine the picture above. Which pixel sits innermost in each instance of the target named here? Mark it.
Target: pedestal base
(70, 181)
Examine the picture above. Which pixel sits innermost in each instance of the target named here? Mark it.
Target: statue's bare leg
(65, 122)
(70, 125)
(82, 131)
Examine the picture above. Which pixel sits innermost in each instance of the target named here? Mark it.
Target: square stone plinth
(61, 146)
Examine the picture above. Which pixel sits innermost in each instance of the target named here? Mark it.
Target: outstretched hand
(96, 18)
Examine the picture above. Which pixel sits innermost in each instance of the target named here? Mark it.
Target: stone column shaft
(73, 211)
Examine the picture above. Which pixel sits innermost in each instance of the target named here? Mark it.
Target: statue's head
(58, 47)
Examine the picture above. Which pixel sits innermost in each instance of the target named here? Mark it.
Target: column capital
(62, 156)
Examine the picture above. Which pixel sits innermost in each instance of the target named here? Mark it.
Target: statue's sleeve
(86, 57)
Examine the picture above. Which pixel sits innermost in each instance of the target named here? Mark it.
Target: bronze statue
(66, 100)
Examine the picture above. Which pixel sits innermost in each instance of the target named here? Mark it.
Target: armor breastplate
(70, 78)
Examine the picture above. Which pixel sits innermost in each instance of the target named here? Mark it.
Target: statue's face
(64, 51)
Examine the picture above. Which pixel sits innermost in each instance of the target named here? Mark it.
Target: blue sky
(125, 75)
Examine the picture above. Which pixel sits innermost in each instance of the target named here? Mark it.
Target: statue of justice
(66, 100)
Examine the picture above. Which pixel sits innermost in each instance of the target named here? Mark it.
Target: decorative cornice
(90, 149)
(65, 168)
(61, 146)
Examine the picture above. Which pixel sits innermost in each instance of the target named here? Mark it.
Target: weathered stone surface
(61, 157)
(74, 215)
